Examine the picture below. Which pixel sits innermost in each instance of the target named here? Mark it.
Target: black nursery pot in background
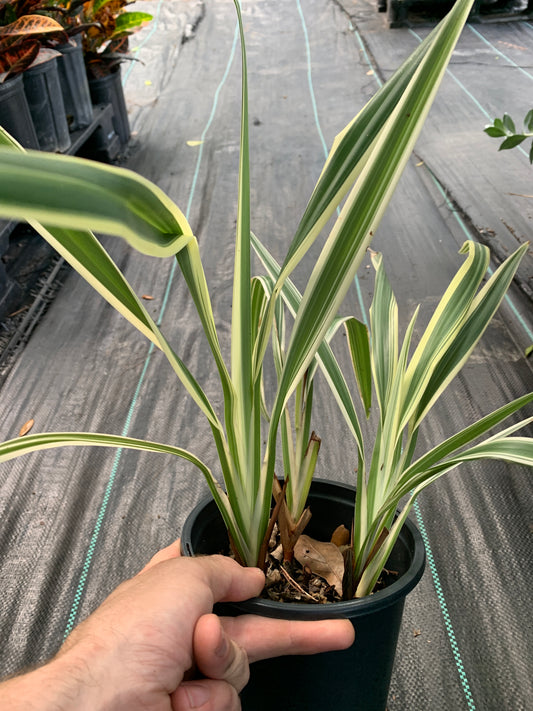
(75, 86)
(15, 114)
(356, 679)
(45, 99)
(108, 90)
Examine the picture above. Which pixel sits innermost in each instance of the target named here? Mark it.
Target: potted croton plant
(24, 58)
(65, 198)
(108, 26)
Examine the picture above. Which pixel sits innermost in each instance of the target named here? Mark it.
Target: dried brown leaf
(324, 559)
(26, 427)
(340, 536)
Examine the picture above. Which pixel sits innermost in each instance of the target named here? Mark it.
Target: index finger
(263, 638)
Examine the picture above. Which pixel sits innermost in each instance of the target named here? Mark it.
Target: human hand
(137, 650)
(225, 646)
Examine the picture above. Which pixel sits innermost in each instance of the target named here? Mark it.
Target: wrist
(49, 688)
(71, 681)
(83, 677)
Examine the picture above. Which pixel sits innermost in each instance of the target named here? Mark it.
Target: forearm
(66, 683)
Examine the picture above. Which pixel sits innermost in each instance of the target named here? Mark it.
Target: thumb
(217, 655)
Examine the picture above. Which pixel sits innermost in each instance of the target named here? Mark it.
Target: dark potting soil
(294, 582)
(291, 582)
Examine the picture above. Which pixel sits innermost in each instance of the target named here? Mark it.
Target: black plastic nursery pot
(15, 114)
(75, 86)
(108, 90)
(356, 679)
(45, 99)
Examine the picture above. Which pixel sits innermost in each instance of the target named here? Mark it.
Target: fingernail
(197, 695)
(222, 648)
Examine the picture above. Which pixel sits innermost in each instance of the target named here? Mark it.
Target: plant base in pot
(358, 678)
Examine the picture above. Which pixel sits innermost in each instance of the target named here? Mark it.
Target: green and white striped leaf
(51, 440)
(325, 356)
(241, 332)
(350, 152)
(444, 325)
(460, 319)
(359, 345)
(85, 195)
(415, 473)
(338, 262)
(517, 450)
(480, 313)
(384, 328)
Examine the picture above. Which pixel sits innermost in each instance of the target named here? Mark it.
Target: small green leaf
(359, 343)
(508, 124)
(494, 132)
(528, 121)
(129, 22)
(512, 141)
(498, 123)
(98, 5)
(531, 153)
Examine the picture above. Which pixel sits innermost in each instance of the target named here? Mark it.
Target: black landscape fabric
(75, 522)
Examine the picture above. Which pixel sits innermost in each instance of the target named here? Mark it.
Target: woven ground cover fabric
(75, 522)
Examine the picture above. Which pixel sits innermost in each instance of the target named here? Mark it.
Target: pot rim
(11, 81)
(42, 68)
(345, 608)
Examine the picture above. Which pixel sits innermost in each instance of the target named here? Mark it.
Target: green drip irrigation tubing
(101, 514)
(444, 610)
(456, 653)
(153, 28)
(499, 52)
(469, 94)
(71, 621)
(322, 139)
(431, 561)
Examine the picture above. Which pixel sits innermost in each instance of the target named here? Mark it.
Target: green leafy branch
(505, 128)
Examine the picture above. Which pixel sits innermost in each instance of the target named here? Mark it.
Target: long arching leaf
(355, 227)
(85, 195)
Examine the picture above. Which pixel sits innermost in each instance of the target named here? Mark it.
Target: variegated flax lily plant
(406, 386)
(66, 198)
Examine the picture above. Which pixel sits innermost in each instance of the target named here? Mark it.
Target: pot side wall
(356, 679)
